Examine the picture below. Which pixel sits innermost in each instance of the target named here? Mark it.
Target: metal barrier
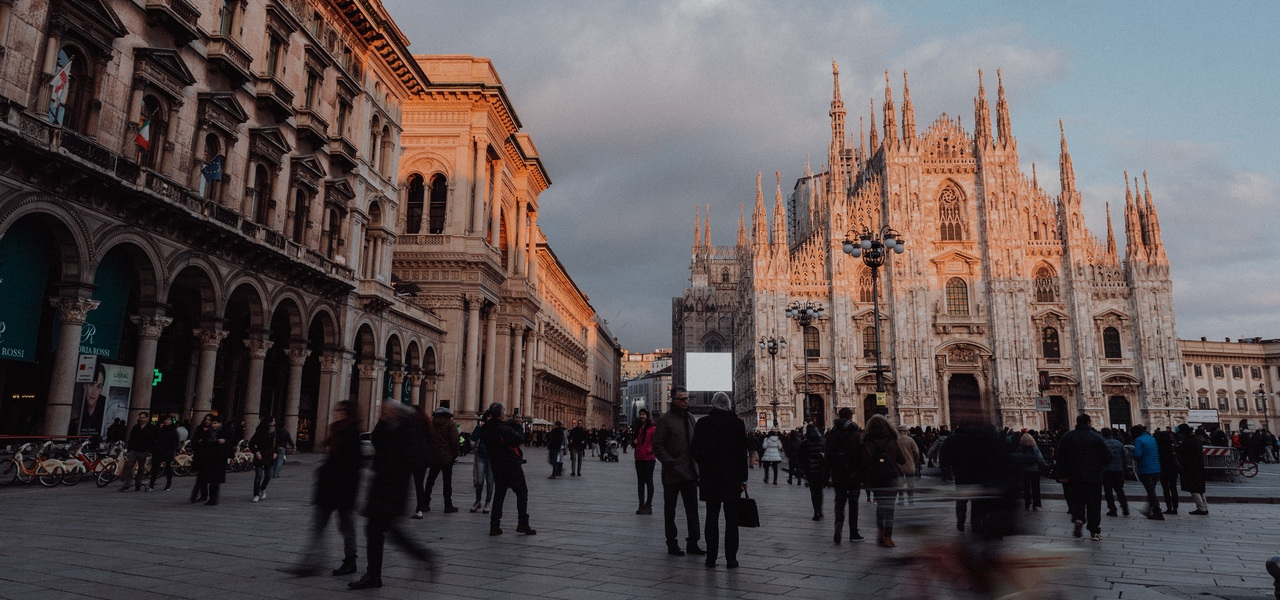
(1221, 458)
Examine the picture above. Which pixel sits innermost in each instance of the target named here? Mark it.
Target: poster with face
(92, 403)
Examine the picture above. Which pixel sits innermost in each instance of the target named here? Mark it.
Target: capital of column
(297, 355)
(367, 370)
(150, 326)
(474, 300)
(73, 311)
(258, 347)
(210, 339)
(330, 362)
(397, 377)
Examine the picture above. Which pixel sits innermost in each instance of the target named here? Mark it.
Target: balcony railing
(310, 122)
(227, 56)
(345, 151)
(178, 16)
(273, 95)
(424, 239)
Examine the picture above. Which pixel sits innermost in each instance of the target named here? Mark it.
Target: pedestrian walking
(754, 447)
(1082, 455)
(719, 448)
(210, 448)
(811, 460)
(482, 469)
(1146, 456)
(1030, 463)
(443, 440)
(645, 462)
(883, 459)
(162, 452)
(910, 449)
(578, 437)
(1168, 471)
(142, 438)
(772, 456)
(671, 446)
(421, 461)
(263, 445)
(336, 487)
(1191, 457)
(284, 441)
(388, 491)
(844, 462)
(555, 449)
(1113, 474)
(504, 439)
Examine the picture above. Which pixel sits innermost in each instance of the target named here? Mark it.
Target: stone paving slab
(86, 542)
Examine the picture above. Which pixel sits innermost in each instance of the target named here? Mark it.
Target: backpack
(883, 469)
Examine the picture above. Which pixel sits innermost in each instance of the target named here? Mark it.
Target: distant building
(1227, 377)
(635, 364)
(650, 391)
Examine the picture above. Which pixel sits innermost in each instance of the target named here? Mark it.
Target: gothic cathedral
(1002, 301)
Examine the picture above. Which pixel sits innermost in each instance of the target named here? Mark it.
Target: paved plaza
(86, 542)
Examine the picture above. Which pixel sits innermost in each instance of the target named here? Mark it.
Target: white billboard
(709, 371)
(1202, 416)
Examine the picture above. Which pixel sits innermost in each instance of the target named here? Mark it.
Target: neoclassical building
(1001, 297)
(1239, 380)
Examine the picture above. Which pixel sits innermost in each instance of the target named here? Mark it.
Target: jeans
(432, 473)
(1169, 485)
(514, 481)
(162, 460)
(1113, 487)
(644, 481)
(730, 530)
(815, 493)
(847, 495)
(482, 474)
(772, 464)
(261, 477)
(884, 510)
(134, 459)
(575, 461)
(1084, 498)
(1149, 481)
(688, 492)
(1031, 489)
(279, 462)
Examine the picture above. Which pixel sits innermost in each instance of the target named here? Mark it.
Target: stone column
(531, 271)
(329, 364)
(297, 354)
(471, 398)
(210, 339)
(397, 384)
(415, 391)
(529, 353)
(491, 355)
(144, 366)
(71, 314)
(502, 378)
(366, 400)
(516, 355)
(258, 346)
(478, 188)
(518, 245)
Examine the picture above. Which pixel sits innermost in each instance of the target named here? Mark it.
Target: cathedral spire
(1133, 247)
(1155, 243)
(862, 140)
(779, 216)
(837, 109)
(875, 138)
(890, 115)
(1003, 132)
(908, 112)
(1067, 172)
(981, 116)
(697, 229)
(759, 218)
(742, 226)
(1035, 179)
(707, 238)
(1111, 235)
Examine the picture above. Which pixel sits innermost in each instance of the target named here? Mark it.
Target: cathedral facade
(1004, 306)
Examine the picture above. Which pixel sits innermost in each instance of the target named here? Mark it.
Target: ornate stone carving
(330, 362)
(297, 355)
(258, 347)
(73, 311)
(397, 377)
(210, 339)
(367, 370)
(150, 326)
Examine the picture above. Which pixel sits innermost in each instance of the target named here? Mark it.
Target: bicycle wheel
(25, 471)
(73, 476)
(1248, 469)
(11, 471)
(106, 472)
(50, 477)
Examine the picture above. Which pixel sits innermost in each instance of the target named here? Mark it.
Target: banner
(59, 86)
(24, 267)
(104, 325)
(103, 399)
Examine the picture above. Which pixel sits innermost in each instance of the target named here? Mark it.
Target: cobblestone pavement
(86, 542)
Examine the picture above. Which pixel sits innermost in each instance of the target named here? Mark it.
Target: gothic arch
(952, 211)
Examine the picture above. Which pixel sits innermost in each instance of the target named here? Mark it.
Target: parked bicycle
(28, 464)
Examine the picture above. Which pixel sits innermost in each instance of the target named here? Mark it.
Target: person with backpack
(844, 463)
(883, 460)
(1113, 474)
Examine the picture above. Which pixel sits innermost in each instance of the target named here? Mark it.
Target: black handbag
(748, 514)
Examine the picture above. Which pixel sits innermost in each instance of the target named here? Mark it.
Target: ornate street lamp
(773, 344)
(1261, 396)
(873, 249)
(804, 313)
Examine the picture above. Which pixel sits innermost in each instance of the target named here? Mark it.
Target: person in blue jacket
(1146, 459)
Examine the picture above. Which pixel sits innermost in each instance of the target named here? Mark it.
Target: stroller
(609, 453)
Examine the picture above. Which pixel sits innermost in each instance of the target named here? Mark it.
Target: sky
(644, 111)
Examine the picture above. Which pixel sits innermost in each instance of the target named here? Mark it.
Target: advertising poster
(103, 399)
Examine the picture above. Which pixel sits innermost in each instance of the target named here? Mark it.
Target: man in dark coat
(443, 439)
(388, 492)
(1191, 456)
(844, 459)
(502, 439)
(209, 445)
(165, 446)
(679, 471)
(720, 448)
(555, 450)
(578, 437)
(1082, 455)
(337, 485)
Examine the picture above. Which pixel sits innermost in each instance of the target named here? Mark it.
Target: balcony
(274, 96)
(343, 152)
(312, 126)
(179, 17)
(228, 57)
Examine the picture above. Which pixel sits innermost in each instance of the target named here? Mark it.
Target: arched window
(374, 128)
(1049, 343)
(713, 345)
(951, 224)
(812, 344)
(1046, 285)
(957, 297)
(413, 212)
(74, 114)
(211, 189)
(259, 208)
(869, 342)
(150, 133)
(1111, 343)
(439, 203)
(300, 210)
(724, 275)
(866, 292)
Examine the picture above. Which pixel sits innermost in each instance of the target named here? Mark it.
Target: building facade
(1239, 380)
(1002, 296)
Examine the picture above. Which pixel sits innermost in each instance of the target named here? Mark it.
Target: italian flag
(144, 134)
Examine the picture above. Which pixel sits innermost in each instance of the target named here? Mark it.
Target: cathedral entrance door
(964, 399)
(815, 411)
(1118, 409)
(1059, 417)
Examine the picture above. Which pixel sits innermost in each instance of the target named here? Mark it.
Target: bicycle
(111, 466)
(73, 469)
(22, 468)
(1246, 468)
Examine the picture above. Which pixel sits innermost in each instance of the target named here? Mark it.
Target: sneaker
(166, 488)
(451, 509)
(476, 506)
(485, 510)
(256, 498)
(1097, 537)
(856, 537)
(1078, 529)
(417, 515)
(148, 489)
(1112, 513)
(264, 494)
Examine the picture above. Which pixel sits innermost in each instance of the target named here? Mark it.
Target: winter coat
(1118, 458)
(843, 458)
(872, 448)
(1168, 460)
(578, 437)
(1191, 455)
(338, 478)
(210, 456)
(263, 444)
(1146, 455)
(142, 438)
(392, 468)
(811, 459)
(910, 450)
(644, 442)
(671, 447)
(772, 449)
(1028, 460)
(503, 440)
(720, 449)
(1082, 454)
(442, 440)
(167, 441)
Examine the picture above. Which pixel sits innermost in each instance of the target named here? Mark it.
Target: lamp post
(1261, 396)
(804, 313)
(873, 249)
(773, 344)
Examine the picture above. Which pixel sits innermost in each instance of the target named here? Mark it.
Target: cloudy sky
(642, 111)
